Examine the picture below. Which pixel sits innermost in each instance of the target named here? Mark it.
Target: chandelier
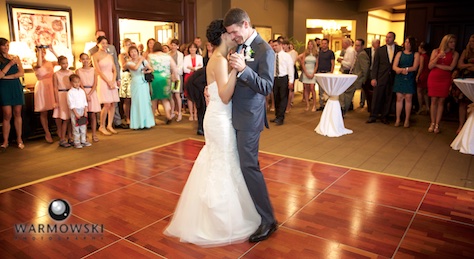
(331, 28)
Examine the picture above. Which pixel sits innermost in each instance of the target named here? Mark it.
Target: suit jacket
(382, 67)
(361, 68)
(253, 84)
(369, 53)
(111, 49)
(195, 86)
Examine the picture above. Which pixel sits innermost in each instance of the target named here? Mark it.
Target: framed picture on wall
(41, 26)
(134, 36)
(265, 32)
(276, 35)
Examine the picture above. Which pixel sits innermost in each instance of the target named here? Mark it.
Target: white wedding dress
(215, 207)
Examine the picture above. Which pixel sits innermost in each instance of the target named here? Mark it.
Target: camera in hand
(42, 46)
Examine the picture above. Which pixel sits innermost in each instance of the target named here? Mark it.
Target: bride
(215, 207)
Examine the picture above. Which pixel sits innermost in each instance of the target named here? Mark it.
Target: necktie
(277, 66)
(390, 53)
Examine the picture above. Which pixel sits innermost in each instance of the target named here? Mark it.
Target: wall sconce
(331, 28)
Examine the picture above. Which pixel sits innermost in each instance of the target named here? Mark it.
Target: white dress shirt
(285, 66)
(76, 98)
(349, 58)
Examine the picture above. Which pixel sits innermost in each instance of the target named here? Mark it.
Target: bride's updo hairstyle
(214, 32)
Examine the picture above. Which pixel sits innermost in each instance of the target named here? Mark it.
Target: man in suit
(361, 69)
(367, 87)
(112, 51)
(254, 61)
(283, 82)
(382, 79)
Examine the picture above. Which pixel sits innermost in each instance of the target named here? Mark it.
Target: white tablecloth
(464, 141)
(331, 123)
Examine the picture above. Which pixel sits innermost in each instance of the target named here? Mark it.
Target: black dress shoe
(320, 109)
(273, 120)
(263, 232)
(370, 120)
(200, 132)
(279, 122)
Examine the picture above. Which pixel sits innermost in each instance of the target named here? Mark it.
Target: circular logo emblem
(59, 209)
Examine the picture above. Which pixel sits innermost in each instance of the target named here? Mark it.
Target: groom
(254, 81)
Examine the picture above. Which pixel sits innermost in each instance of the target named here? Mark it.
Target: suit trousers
(368, 90)
(280, 94)
(382, 101)
(345, 99)
(247, 146)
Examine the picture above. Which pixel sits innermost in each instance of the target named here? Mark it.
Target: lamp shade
(20, 49)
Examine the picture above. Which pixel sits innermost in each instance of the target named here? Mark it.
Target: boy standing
(77, 102)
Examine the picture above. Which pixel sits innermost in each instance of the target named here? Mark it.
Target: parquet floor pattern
(324, 211)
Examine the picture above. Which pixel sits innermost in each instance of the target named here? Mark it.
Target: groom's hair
(236, 16)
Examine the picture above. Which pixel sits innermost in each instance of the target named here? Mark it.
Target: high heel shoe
(3, 148)
(21, 145)
(436, 129)
(313, 109)
(397, 123)
(110, 129)
(406, 124)
(180, 117)
(104, 132)
(431, 128)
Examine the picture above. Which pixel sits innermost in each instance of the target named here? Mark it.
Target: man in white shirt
(283, 82)
(349, 57)
(294, 57)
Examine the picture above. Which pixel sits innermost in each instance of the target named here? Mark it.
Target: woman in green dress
(164, 71)
(11, 93)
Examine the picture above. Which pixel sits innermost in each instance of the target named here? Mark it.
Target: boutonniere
(249, 54)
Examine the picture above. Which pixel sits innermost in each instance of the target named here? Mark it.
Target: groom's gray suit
(249, 116)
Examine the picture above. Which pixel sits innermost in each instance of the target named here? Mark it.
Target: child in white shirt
(77, 101)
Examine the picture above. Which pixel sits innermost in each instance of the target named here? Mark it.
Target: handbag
(81, 121)
(148, 76)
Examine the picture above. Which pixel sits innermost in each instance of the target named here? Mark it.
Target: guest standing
(61, 112)
(88, 77)
(382, 79)
(141, 114)
(309, 65)
(77, 102)
(422, 78)
(405, 65)
(125, 77)
(11, 94)
(443, 60)
(164, 70)
(191, 63)
(177, 87)
(106, 85)
(44, 90)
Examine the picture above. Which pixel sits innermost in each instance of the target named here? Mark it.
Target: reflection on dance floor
(324, 211)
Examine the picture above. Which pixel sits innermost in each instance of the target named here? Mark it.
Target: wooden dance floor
(324, 211)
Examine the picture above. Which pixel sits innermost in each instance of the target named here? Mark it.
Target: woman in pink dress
(61, 112)
(107, 88)
(443, 60)
(44, 90)
(88, 78)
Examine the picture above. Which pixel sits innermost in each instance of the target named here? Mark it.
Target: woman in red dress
(422, 78)
(443, 60)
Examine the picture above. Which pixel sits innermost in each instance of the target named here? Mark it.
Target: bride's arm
(225, 82)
